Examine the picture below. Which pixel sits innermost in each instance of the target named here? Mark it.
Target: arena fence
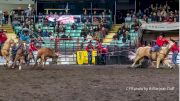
(72, 51)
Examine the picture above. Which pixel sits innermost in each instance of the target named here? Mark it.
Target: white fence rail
(71, 59)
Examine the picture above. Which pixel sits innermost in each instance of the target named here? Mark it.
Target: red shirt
(32, 47)
(3, 37)
(99, 47)
(175, 48)
(161, 42)
(88, 47)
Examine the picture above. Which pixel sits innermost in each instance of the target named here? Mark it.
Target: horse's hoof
(20, 67)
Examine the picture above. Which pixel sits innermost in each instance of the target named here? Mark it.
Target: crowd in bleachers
(155, 13)
(71, 34)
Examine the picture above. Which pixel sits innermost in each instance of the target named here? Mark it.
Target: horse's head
(171, 43)
(11, 41)
(55, 57)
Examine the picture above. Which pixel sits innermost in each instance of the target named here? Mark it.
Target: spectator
(45, 34)
(69, 36)
(89, 49)
(89, 37)
(124, 39)
(3, 38)
(73, 27)
(6, 16)
(64, 36)
(128, 18)
(39, 32)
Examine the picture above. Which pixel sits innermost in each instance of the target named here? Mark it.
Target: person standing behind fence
(32, 48)
(3, 38)
(89, 49)
(175, 50)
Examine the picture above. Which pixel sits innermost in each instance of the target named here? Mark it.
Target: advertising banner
(82, 57)
(164, 26)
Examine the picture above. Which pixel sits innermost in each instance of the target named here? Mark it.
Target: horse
(5, 50)
(143, 52)
(20, 55)
(44, 53)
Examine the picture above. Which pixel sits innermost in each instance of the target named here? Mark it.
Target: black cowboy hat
(162, 34)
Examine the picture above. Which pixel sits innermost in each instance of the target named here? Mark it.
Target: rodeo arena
(89, 50)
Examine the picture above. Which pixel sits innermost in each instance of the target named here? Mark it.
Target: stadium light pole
(115, 12)
(91, 11)
(135, 5)
(36, 6)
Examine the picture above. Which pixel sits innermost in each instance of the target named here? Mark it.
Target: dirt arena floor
(89, 83)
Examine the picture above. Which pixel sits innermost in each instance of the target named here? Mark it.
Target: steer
(44, 54)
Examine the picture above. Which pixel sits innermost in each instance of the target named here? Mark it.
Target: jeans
(155, 48)
(174, 57)
(90, 57)
(103, 58)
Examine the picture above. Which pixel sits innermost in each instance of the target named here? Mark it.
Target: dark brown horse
(20, 55)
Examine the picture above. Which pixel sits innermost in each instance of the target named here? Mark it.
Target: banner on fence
(63, 19)
(164, 26)
(82, 57)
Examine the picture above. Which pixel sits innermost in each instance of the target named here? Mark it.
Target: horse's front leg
(14, 62)
(135, 61)
(7, 61)
(20, 63)
(158, 62)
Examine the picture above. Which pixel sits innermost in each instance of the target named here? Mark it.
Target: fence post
(65, 51)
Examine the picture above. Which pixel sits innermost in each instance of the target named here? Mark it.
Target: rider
(25, 37)
(16, 47)
(14, 50)
(159, 43)
(3, 38)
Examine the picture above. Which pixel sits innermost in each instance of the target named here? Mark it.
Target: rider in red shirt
(159, 43)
